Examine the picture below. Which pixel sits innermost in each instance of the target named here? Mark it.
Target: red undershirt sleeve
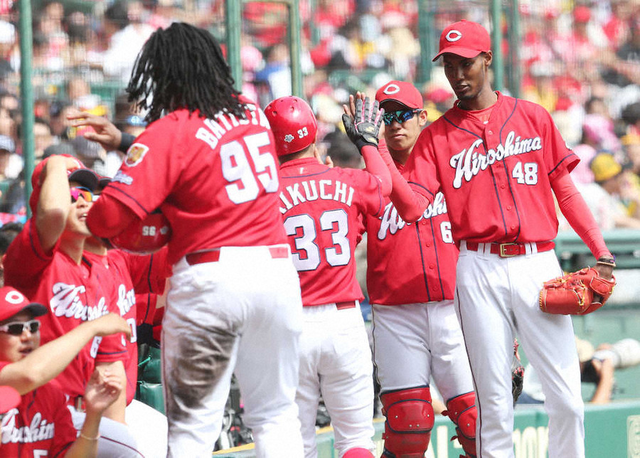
(376, 166)
(409, 203)
(575, 209)
(108, 217)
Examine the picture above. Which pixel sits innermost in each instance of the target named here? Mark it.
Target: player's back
(322, 210)
(216, 180)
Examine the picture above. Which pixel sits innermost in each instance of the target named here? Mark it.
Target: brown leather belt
(200, 257)
(345, 305)
(508, 250)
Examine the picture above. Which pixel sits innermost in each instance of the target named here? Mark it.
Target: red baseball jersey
(495, 176)
(119, 270)
(323, 210)
(409, 263)
(112, 270)
(40, 426)
(73, 295)
(201, 172)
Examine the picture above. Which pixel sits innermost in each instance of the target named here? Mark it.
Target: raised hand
(102, 391)
(363, 126)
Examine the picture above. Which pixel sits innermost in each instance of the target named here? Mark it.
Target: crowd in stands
(580, 60)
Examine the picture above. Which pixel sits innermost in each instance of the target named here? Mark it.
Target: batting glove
(364, 128)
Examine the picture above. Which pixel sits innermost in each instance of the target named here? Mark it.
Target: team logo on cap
(14, 297)
(391, 89)
(288, 138)
(453, 35)
(135, 154)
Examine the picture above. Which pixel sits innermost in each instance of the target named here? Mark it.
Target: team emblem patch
(288, 138)
(135, 154)
(453, 35)
(391, 89)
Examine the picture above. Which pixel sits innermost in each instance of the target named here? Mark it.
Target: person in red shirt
(411, 281)
(322, 209)
(207, 160)
(41, 424)
(499, 162)
(45, 263)
(128, 274)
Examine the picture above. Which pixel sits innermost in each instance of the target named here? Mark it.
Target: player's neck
(400, 157)
(485, 98)
(72, 247)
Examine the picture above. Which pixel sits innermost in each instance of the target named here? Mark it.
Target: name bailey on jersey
(311, 190)
(390, 221)
(469, 162)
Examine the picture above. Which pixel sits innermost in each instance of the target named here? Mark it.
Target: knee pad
(409, 421)
(462, 412)
(358, 453)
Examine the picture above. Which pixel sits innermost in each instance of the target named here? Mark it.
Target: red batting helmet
(293, 124)
(144, 236)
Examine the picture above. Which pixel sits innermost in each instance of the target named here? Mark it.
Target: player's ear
(488, 58)
(423, 117)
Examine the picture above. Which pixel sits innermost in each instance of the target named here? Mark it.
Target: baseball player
(208, 161)
(411, 281)
(499, 161)
(322, 209)
(115, 269)
(41, 425)
(45, 262)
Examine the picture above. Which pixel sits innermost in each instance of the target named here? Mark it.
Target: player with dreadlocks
(207, 161)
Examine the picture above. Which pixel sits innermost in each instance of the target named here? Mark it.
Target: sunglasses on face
(80, 191)
(400, 116)
(16, 329)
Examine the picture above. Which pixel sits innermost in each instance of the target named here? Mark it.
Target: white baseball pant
(149, 427)
(413, 342)
(116, 440)
(335, 364)
(242, 313)
(497, 298)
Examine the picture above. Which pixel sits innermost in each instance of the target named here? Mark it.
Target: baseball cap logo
(453, 35)
(391, 89)
(14, 297)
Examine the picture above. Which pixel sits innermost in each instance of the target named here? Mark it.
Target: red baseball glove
(576, 293)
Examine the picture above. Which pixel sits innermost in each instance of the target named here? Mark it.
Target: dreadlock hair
(182, 66)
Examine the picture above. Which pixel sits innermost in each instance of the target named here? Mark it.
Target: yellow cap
(604, 167)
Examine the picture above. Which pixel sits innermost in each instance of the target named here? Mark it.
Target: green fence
(612, 431)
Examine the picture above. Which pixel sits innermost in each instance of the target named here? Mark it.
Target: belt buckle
(506, 250)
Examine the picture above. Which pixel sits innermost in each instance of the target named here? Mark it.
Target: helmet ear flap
(293, 124)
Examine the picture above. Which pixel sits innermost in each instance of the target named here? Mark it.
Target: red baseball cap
(80, 174)
(582, 14)
(9, 398)
(464, 38)
(403, 93)
(13, 302)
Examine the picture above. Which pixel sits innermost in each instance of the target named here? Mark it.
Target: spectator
(127, 34)
(616, 181)
(596, 366)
